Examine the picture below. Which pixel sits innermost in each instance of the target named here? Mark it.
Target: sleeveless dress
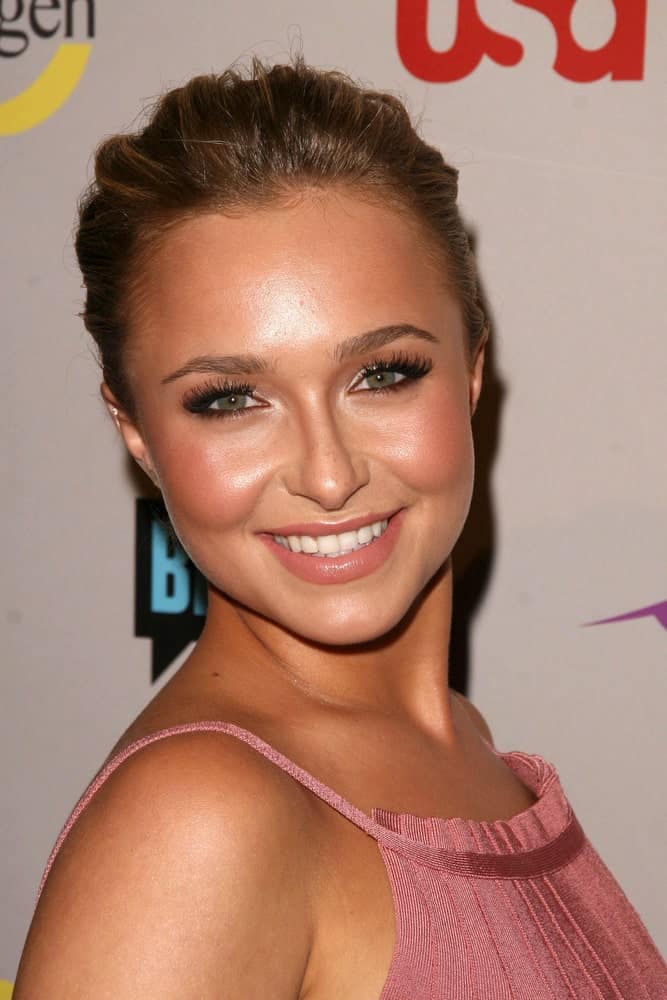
(518, 909)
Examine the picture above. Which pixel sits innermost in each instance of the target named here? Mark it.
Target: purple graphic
(658, 611)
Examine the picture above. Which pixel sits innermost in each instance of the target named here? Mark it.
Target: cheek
(431, 446)
(208, 482)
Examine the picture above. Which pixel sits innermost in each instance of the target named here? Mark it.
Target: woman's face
(296, 369)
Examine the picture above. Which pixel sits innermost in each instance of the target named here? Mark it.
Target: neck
(271, 672)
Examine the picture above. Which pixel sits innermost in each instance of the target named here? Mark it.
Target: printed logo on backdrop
(170, 593)
(26, 26)
(657, 611)
(621, 57)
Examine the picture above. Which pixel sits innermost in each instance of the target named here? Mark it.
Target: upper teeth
(333, 545)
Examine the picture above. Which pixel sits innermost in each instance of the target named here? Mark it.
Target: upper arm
(476, 716)
(184, 877)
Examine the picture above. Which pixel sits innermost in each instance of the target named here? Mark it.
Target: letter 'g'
(19, 38)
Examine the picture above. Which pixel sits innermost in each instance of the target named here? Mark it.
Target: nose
(326, 464)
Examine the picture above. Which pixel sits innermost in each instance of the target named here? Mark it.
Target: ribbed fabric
(518, 909)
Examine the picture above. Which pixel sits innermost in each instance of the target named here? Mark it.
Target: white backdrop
(563, 184)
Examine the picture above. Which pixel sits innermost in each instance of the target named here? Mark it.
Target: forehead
(330, 264)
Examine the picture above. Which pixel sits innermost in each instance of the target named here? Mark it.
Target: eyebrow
(252, 364)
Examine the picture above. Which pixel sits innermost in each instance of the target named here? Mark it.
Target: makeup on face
(224, 398)
(304, 388)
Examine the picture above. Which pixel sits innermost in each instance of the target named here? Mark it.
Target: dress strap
(328, 795)
(556, 850)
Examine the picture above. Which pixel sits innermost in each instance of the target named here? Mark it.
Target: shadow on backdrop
(474, 552)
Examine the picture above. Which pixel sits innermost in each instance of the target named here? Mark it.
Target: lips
(345, 566)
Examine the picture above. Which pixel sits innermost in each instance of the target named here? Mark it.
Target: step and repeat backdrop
(553, 111)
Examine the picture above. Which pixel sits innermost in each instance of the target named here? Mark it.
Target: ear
(476, 375)
(130, 433)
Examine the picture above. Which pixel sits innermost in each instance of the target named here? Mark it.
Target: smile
(333, 545)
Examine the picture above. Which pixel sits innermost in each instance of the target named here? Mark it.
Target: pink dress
(518, 909)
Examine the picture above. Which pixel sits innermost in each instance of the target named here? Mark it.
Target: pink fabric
(519, 909)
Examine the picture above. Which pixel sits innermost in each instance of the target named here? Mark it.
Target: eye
(231, 402)
(382, 379)
(386, 374)
(221, 399)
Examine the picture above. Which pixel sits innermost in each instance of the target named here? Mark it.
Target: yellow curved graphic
(54, 85)
(5, 990)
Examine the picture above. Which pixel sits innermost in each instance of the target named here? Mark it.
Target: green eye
(231, 402)
(223, 399)
(382, 379)
(389, 373)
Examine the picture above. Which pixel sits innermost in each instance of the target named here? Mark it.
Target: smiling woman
(292, 348)
(333, 363)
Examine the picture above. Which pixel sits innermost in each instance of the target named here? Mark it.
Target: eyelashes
(410, 366)
(201, 400)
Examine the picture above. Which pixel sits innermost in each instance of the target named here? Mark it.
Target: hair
(242, 140)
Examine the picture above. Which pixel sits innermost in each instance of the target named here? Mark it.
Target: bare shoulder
(475, 715)
(190, 860)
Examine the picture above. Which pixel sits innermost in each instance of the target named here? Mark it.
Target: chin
(350, 622)
(357, 633)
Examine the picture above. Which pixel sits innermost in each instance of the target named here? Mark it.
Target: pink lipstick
(341, 568)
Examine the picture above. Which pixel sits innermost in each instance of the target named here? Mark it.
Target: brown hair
(234, 141)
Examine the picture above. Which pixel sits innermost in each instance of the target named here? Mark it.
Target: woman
(292, 347)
